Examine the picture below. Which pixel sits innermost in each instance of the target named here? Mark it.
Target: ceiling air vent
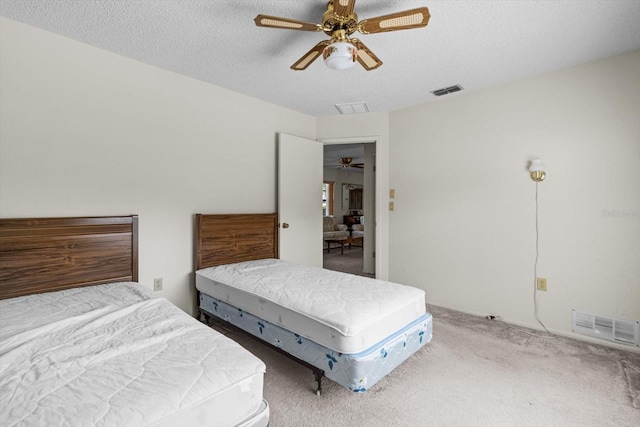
(447, 90)
(353, 107)
(606, 328)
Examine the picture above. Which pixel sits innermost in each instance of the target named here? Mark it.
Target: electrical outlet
(392, 206)
(392, 193)
(541, 283)
(157, 284)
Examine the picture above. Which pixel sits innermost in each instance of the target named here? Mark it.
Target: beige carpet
(349, 261)
(475, 372)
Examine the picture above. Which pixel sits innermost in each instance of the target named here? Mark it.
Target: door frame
(381, 248)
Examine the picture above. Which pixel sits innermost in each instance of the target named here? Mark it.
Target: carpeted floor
(475, 372)
(350, 261)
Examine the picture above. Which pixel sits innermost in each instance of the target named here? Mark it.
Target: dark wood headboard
(51, 254)
(225, 239)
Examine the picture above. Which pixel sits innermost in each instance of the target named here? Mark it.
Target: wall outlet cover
(541, 283)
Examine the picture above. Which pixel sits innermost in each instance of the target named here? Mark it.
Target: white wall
(85, 132)
(464, 224)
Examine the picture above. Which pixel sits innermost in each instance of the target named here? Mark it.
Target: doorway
(351, 168)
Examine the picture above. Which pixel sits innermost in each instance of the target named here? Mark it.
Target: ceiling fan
(340, 22)
(347, 162)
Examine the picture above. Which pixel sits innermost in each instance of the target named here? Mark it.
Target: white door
(300, 199)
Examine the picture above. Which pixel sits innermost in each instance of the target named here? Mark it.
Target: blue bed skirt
(357, 372)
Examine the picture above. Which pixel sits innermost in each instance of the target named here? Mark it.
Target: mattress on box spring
(343, 312)
(357, 372)
(114, 355)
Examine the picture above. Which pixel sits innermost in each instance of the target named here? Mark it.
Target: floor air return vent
(606, 328)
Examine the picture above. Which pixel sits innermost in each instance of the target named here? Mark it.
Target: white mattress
(343, 312)
(114, 355)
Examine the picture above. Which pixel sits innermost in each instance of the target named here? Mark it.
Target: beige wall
(464, 224)
(86, 132)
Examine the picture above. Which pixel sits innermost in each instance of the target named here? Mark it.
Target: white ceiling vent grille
(447, 90)
(606, 328)
(353, 107)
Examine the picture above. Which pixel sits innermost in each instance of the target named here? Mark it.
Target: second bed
(352, 329)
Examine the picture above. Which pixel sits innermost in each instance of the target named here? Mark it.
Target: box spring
(356, 371)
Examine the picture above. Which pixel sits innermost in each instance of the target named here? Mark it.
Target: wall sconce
(536, 167)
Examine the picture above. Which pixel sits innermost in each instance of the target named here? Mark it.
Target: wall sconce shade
(536, 167)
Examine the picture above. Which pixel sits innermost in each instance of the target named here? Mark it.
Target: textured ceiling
(475, 44)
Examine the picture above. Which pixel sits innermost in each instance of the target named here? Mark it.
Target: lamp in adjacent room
(536, 167)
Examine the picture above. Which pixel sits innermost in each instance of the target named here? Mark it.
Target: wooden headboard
(225, 239)
(51, 254)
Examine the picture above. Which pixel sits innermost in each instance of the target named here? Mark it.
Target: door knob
(285, 225)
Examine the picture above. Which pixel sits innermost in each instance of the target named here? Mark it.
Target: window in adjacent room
(327, 198)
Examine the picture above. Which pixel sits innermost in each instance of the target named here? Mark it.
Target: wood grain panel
(49, 254)
(225, 239)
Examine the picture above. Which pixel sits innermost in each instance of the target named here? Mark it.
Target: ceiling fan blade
(366, 58)
(343, 8)
(414, 18)
(310, 56)
(285, 23)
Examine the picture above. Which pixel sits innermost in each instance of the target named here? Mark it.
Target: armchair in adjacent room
(357, 230)
(330, 229)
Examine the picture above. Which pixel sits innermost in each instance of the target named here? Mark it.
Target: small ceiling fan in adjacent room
(340, 22)
(347, 162)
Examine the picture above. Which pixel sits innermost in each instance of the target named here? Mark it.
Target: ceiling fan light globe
(340, 55)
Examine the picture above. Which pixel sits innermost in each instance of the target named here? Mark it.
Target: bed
(351, 329)
(81, 343)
